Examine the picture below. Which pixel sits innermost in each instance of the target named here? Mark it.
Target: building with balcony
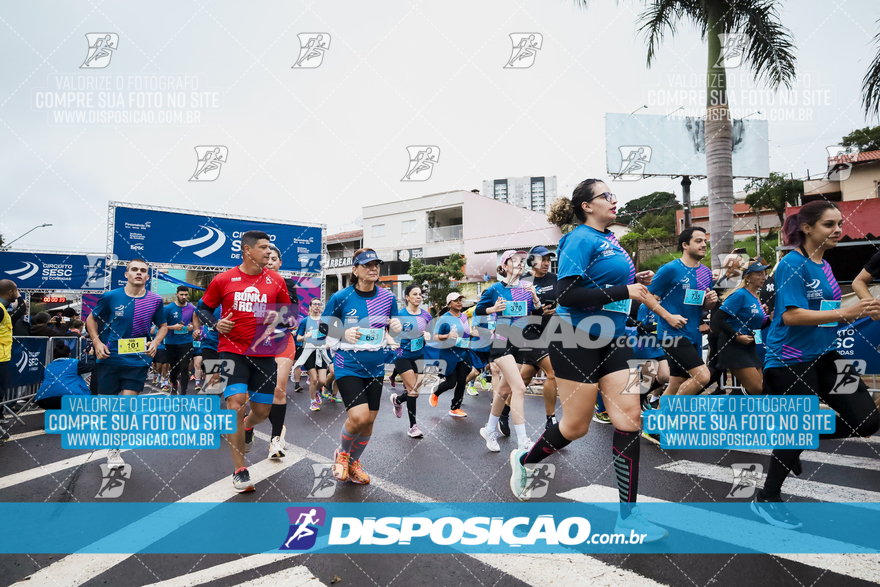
(433, 227)
(744, 220)
(533, 193)
(336, 271)
(851, 182)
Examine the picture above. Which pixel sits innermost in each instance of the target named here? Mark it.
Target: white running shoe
(277, 445)
(525, 444)
(114, 459)
(491, 438)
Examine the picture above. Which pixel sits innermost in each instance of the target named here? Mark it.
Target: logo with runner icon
(841, 167)
(324, 484)
(113, 481)
(525, 49)
(303, 530)
(210, 160)
(539, 483)
(849, 375)
(733, 49)
(422, 159)
(101, 49)
(311, 50)
(633, 161)
(746, 477)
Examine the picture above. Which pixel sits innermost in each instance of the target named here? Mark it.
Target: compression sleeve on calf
(575, 295)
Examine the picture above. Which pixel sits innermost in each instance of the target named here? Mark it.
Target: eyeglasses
(609, 197)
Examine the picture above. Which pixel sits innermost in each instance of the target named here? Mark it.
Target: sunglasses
(609, 197)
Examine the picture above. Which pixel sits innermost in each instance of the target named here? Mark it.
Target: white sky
(315, 145)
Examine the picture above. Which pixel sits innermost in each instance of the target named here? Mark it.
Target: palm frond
(770, 51)
(663, 16)
(871, 84)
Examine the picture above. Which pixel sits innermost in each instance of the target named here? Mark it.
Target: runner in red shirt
(254, 301)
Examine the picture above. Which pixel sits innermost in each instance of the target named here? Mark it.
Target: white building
(533, 193)
(433, 227)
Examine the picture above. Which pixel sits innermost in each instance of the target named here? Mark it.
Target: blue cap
(542, 251)
(755, 267)
(366, 257)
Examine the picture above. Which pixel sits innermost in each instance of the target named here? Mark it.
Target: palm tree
(768, 52)
(871, 84)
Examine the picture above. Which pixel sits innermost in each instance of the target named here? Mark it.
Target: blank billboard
(641, 145)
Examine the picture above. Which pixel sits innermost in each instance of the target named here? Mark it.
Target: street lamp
(6, 246)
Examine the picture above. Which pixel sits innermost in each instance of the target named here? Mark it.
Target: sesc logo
(211, 246)
(303, 530)
(26, 272)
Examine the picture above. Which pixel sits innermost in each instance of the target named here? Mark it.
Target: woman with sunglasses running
(409, 361)
(359, 316)
(455, 354)
(801, 358)
(314, 359)
(596, 283)
(513, 300)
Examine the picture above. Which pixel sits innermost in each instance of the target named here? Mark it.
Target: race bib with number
(515, 309)
(463, 343)
(127, 346)
(371, 335)
(417, 344)
(491, 323)
(694, 297)
(622, 306)
(829, 305)
(758, 338)
(197, 344)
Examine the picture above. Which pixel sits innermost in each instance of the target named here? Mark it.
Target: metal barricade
(24, 375)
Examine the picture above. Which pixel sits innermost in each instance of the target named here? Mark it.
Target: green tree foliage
(774, 193)
(862, 140)
(435, 279)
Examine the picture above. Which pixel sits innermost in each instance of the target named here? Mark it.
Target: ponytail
(564, 211)
(810, 213)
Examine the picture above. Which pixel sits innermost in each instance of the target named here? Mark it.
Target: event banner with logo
(28, 361)
(395, 528)
(54, 271)
(186, 238)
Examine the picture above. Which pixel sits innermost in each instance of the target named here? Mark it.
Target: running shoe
(337, 399)
(551, 421)
(601, 417)
(520, 476)
(472, 388)
(491, 438)
(326, 395)
(192, 377)
(356, 473)
(317, 399)
(504, 425)
(774, 512)
(315, 406)
(393, 384)
(248, 437)
(636, 523)
(525, 444)
(241, 481)
(114, 459)
(415, 432)
(433, 400)
(166, 386)
(340, 465)
(198, 385)
(652, 438)
(398, 409)
(457, 413)
(485, 384)
(298, 388)
(277, 445)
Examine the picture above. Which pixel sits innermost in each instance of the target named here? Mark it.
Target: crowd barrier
(30, 355)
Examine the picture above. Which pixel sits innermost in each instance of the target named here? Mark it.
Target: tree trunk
(719, 151)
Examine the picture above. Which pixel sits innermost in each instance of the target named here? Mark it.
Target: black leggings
(457, 379)
(856, 413)
(179, 356)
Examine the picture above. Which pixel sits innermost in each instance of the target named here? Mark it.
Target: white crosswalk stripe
(858, 564)
(793, 485)
(292, 577)
(215, 573)
(827, 458)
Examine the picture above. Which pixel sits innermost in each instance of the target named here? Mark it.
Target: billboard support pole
(686, 199)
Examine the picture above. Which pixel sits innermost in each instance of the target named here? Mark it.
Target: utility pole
(686, 199)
